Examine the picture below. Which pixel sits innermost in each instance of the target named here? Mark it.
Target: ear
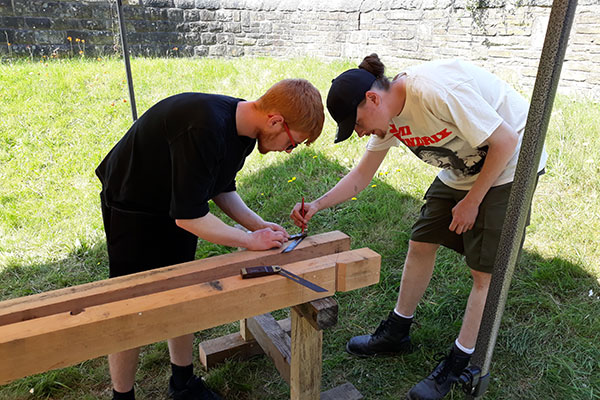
(373, 97)
(274, 119)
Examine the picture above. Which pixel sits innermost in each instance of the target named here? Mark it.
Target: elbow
(182, 223)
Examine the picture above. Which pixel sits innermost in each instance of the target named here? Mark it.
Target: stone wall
(505, 36)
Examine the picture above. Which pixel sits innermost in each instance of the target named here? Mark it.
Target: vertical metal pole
(126, 58)
(553, 53)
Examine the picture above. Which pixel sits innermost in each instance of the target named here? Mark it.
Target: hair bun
(373, 64)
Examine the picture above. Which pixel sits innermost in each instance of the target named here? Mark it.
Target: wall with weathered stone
(505, 36)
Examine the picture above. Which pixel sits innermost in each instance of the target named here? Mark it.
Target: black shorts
(139, 242)
(479, 245)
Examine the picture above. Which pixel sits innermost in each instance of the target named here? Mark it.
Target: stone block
(72, 10)
(223, 16)
(22, 36)
(130, 12)
(102, 11)
(235, 51)
(49, 37)
(208, 4)
(185, 4)
(225, 38)
(215, 27)
(175, 14)
(198, 26)
(191, 15)
(217, 50)
(158, 3)
(200, 51)
(154, 13)
(12, 22)
(96, 25)
(232, 27)
(206, 15)
(245, 41)
(208, 38)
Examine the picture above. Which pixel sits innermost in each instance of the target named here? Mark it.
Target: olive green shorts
(479, 244)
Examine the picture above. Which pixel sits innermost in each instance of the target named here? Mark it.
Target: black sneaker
(440, 381)
(391, 337)
(195, 389)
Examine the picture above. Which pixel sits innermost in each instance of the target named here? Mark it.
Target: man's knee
(422, 249)
(481, 280)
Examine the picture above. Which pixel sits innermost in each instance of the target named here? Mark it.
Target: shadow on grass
(548, 338)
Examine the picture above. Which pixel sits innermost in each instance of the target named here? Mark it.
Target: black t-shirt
(181, 153)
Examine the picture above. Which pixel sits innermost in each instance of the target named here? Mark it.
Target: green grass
(59, 118)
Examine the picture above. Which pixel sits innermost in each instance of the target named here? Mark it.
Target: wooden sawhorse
(67, 326)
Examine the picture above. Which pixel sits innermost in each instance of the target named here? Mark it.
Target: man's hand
(267, 238)
(310, 209)
(464, 214)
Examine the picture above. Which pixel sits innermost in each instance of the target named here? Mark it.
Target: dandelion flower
(314, 156)
(373, 185)
(69, 38)
(354, 198)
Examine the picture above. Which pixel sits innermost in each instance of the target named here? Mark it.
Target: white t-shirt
(451, 108)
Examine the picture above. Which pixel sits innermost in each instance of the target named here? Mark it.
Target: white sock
(402, 315)
(463, 348)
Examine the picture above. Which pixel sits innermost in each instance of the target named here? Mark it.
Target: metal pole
(551, 59)
(126, 58)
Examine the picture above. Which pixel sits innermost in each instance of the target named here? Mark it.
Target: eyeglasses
(294, 144)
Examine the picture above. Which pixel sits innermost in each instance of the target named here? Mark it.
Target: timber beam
(74, 299)
(78, 333)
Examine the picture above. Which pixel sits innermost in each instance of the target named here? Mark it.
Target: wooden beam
(321, 314)
(64, 339)
(274, 341)
(354, 275)
(74, 299)
(306, 366)
(233, 347)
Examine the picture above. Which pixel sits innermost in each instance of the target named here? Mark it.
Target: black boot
(195, 389)
(391, 337)
(440, 381)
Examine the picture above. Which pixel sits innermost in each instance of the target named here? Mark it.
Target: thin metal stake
(126, 58)
(551, 59)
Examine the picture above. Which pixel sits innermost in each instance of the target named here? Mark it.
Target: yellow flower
(77, 40)
(80, 51)
(69, 38)
(82, 40)
(373, 185)
(8, 43)
(314, 156)
(354, 198)
(292, 180)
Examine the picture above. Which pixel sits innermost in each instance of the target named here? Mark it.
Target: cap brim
(345, 128)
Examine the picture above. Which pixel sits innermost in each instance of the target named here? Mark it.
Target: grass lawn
(59, 118)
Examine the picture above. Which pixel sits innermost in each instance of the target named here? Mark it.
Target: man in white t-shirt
(469, 123)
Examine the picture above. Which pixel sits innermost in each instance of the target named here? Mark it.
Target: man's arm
(212, 229)
(501, 145)
(349, 186)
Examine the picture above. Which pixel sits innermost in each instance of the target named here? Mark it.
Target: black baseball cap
(346, 93)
